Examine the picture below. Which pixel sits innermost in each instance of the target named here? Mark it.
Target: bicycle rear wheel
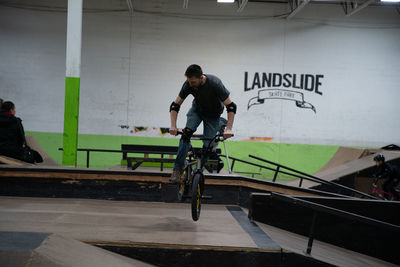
(196, 196)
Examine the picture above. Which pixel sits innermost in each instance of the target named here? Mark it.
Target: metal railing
(319, 208)
(298, 174)
(311, 178)
(88, 150)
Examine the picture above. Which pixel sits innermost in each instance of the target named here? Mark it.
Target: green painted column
(71, 120)
(72, 82)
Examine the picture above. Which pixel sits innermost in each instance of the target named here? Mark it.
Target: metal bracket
(296, 6)
(241, 5)
(352, 7)
(130, 6)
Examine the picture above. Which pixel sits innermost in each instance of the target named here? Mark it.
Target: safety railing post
(276, 174)
(311, 235)
(227, 158)
(87, 158)
(233, 163)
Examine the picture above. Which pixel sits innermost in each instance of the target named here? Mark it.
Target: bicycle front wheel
(196, 197)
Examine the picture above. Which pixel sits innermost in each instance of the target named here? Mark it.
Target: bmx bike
(192, 180)
(376, 191)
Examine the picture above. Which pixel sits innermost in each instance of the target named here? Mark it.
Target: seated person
(12, 136)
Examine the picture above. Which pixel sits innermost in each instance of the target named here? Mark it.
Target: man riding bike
(210, 97)
(389, 172)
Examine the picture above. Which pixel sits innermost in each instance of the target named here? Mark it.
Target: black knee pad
(187, 134)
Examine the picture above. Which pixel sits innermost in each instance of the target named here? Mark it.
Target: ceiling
(350, 7)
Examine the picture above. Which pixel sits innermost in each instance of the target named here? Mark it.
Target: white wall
(132, 68)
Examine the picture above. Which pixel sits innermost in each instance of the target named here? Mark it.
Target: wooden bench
(138, 161)
(148, 150)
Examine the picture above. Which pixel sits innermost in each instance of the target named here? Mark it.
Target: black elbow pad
(231, 108)
(174, 106)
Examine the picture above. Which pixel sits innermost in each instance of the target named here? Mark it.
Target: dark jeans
(211, 126)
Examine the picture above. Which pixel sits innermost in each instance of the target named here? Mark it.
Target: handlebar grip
(229, 137)
(202, 138)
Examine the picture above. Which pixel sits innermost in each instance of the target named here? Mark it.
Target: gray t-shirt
(209, 97)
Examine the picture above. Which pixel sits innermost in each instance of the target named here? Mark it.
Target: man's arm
(173, 130)
(231, 110)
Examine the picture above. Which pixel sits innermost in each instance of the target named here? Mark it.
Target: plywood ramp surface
(125, 221)
(322, 251)
(34, 144)
(52, 250)
(13, 162)
(162, 225)
(342, 156)
(62, 172)
(348, 168)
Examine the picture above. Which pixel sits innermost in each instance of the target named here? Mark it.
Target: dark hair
(7, 106)
(194, 71)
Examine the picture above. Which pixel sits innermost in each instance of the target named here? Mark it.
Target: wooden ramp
(13, 162)
(152, 226)
(369, 227)
(328, 253)
(34, 144)
(223, 236)
(21, 249)
(350, 168)
(342, 156)
(130, 185)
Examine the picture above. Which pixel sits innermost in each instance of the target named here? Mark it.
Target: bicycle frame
(202, 158)
(381, 193)
(193, 178)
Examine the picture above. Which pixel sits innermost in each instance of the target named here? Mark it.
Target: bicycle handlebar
(218, 137)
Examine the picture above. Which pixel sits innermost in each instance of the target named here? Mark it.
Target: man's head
(8, 106)
(379, 159)
(194, 75)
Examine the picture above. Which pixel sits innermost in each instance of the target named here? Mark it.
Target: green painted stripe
(71, 120)
(306, 158)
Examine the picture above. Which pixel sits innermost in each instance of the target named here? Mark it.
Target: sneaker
(176, 175)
